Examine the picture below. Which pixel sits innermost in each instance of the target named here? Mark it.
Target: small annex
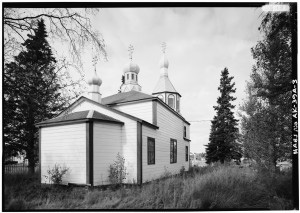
(147, 130)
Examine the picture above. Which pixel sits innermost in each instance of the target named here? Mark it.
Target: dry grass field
(210, 187)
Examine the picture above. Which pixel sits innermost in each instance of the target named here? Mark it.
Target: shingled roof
(164, 85)
(80, 116)
(125, 97)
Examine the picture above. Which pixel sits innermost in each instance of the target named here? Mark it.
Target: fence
(18, 169)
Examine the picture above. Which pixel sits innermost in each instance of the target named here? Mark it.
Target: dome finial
(130, 50)
(164, 46)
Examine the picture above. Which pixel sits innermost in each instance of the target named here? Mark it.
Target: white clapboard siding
(65, 146)
(107, 144)
(129, 137)
(170, 126)
(142, 110)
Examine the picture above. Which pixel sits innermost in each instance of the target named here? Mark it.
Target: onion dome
(131, 67)
(164, 63)
(95, 80)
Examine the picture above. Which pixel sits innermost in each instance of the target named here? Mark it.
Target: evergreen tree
(269, 90)
(31, 94)
(223, 144)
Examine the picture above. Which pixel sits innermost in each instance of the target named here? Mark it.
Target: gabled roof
(80, 116)
(82, 98)
(125, 97)
(164, 85)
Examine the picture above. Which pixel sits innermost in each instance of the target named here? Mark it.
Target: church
(148, 131)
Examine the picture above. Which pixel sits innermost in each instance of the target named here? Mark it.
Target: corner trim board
(40, 156)
(89, 153)
(139, 153)
(154, 112)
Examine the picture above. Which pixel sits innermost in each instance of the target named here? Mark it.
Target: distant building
(147, 130)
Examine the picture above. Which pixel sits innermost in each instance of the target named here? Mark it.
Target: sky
(201, 42)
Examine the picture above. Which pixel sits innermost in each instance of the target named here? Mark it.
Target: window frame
(173, 97)
(149, 160)
(186, 153)
(173, 151)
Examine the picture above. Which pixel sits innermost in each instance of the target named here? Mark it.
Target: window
(127, 76)
(151, 151)
(184, 131)
(171, 100)
(173, 151)
(186, 153)
(177, 104)
(132, 76)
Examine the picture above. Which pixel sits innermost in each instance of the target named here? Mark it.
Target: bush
(117, 171)
(56, 174)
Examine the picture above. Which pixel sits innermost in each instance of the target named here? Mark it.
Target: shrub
(117, 171)
(56, 174)
(182, 171)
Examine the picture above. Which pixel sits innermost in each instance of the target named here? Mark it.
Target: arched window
(132, 76)
(161, 97)
(171, 101)
(178, 104)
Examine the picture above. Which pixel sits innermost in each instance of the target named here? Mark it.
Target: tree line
(265, 134)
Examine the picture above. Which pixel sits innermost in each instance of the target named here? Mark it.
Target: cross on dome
(95, 60)
(130, 50)
(164, 46)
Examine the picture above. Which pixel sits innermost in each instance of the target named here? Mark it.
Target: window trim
(173, 150)
(173, 97)
(186, 153)
(149, 139)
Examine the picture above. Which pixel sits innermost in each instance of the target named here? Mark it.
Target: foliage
(56, 174)
(223, 144)
(117, 171)
(266, 113)
(31, 94)
(67, 25)
(218, 187)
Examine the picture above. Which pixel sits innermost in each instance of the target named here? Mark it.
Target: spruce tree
(223, 144)
(31, 94)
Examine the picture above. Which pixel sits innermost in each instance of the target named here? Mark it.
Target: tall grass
(218, 187)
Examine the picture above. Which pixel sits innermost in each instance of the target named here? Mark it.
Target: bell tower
(164, 89)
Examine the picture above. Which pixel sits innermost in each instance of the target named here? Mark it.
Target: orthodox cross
(130, 50)
(95, 60)
(164, 46)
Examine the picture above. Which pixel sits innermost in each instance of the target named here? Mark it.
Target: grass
(218, 187)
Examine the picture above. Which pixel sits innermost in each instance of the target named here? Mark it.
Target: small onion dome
(95, 80)
(163, 63)
(131, 67)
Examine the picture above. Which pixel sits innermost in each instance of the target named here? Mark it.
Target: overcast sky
(200, 43)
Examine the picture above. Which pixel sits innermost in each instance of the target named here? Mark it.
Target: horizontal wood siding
(170, 126)
(107, 144)
(141, 110)
(66, 146)
(128, 137)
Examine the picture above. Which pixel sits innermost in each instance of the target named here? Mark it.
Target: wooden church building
(147, 130)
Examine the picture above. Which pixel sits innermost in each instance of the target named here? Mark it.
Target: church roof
(125, 97)
(164, 85)
(80, 116)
